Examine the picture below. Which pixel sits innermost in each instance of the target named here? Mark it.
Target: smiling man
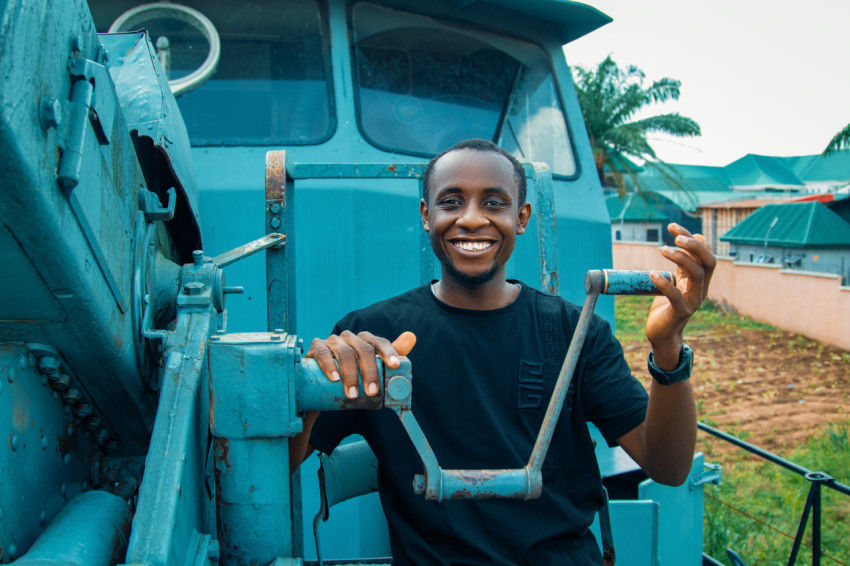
(488, 355)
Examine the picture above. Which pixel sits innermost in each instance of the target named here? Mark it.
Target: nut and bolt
(60, 382)
(14, 442)
(194, 288)
(275, 223)
(198, 258)
(83, 410)
(275, 208)
(398, 388)
(48, 365)
(72, 397)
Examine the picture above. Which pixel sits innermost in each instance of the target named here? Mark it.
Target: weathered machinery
(141, 424)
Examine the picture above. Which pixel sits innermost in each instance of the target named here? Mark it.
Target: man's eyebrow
(489, 190)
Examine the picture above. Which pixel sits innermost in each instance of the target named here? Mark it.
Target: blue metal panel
(635, 525)
(680, 532)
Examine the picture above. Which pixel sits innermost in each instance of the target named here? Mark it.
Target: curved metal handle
(623, 282)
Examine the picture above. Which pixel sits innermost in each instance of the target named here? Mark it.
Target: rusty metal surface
(249, 249)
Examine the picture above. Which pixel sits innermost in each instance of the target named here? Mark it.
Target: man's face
(473, 215)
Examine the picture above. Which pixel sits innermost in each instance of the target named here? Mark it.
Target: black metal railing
(813, 502)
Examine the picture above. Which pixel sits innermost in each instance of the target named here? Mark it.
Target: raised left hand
(672, 309)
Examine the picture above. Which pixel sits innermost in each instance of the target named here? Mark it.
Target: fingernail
(393, 361)
(372, 388)
(352, 392)
(681, 239)
(334, 376)
(665, 249)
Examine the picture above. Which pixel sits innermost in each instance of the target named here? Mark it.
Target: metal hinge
(711, 474)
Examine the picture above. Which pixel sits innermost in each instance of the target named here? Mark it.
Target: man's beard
(471, 281)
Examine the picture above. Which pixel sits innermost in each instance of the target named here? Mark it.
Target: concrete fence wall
(813, 304)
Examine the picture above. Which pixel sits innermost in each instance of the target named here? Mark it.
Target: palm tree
(839, 141)
(609, 98)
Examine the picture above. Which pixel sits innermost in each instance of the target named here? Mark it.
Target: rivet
(13, 442)
(275, 223)
(44, 443)
(10, 375)
(275, 208)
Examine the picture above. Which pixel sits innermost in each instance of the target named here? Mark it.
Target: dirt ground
(776, 388)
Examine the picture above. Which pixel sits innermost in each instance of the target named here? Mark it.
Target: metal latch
(711, 474)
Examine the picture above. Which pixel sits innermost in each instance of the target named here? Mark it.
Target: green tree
(610, 97)
(839, 141)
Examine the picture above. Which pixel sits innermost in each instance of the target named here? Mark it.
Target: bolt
(101, 436)
(198, 258)
(49, 113)
(92, 423)
(278, 330)
(83, 410)
(275, 337)
(48, 365)
(72, 397)
(275, 208)
(60, 382)
(275, 222)
(194, 288)
(14, 442)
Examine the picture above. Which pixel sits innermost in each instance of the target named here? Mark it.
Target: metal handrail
(813, 501)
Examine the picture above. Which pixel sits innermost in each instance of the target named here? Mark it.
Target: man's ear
(523, 217)
(423, 210)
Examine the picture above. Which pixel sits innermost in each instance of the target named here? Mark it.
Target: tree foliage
(610, 97)
(839, 141)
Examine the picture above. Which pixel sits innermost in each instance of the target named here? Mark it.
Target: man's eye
(494, 202)
(449, 202)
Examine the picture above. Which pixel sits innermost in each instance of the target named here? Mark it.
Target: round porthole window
(187, 43)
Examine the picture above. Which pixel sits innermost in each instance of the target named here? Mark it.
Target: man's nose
(473, 217)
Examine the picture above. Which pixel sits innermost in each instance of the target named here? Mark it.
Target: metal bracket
(149, 205)
(712, 474)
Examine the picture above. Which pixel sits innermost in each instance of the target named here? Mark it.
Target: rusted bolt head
(275, 223)
(60, 382)
(48, 365)
(72, 396)
(194, 288)
(275, 208)
(83, 410)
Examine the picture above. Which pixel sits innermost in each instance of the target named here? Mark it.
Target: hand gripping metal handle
(523, 483)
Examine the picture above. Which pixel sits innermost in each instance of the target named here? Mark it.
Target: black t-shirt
(481, 384)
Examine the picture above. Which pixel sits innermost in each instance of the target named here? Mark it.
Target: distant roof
(691, 201)
(809, 168)
(635, 208)
(762, 171)
(795, 225)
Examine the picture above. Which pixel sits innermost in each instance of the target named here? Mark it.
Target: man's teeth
(473, 246)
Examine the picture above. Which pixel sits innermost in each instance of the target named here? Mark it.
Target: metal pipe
(91, 530)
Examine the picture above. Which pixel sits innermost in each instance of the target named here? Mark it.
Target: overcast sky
(769, 77)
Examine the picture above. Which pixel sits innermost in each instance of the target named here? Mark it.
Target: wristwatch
(681, 373)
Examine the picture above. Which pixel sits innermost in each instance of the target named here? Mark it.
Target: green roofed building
(636, 218)
(802, 235)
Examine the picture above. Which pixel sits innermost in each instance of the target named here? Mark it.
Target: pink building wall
(812, 304)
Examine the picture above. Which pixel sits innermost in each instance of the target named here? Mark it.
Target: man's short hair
(477, 144)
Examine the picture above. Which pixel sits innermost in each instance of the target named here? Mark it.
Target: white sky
(769, 77)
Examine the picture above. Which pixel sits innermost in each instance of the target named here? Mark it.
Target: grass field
(757, 509)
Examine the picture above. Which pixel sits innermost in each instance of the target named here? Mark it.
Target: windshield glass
(423, 86)
(272, 82)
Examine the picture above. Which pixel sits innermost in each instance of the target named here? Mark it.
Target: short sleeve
(613, 399)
